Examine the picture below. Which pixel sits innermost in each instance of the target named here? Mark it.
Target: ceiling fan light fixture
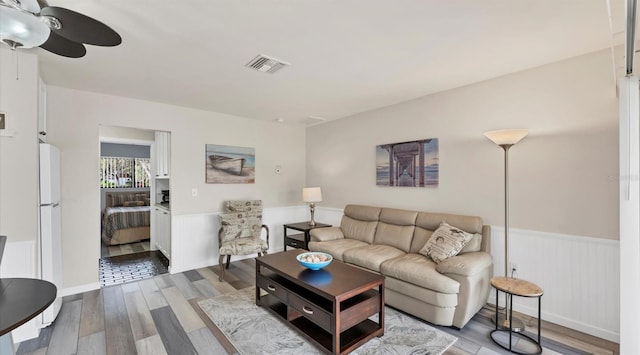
(21, 29)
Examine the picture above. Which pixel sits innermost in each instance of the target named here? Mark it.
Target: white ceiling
(347, 56)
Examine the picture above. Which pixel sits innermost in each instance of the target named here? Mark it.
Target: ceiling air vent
(266, 64)
(312, 120)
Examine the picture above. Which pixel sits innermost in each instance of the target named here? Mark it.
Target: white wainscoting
(20, 261)
(579, 276)
(194, 238)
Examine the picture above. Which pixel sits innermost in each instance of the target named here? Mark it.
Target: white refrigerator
(50, 230)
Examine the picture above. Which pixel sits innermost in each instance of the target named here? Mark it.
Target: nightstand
(300, 240)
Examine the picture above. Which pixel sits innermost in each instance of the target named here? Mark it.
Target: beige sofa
(387, 241)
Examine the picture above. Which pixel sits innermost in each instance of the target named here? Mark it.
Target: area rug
(253, 330)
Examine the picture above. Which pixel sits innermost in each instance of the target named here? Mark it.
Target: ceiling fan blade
(64, 47)
(81, 28)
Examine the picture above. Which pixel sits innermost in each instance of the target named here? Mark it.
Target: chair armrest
(267, 229)
(465, 264)
(324, 234)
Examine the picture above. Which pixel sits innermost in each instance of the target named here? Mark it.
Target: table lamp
(312, 195)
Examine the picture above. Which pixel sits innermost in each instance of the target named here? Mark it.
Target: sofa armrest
(325, 234)
(465, 264)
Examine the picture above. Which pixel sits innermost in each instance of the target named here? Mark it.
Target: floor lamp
(506, 138)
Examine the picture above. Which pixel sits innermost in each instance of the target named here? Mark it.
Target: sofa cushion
(394, 235)
(431, 221)
(474, 244)
(325, 234)
(336, 247)
(363, 231)
(467, 264)
(420, 238)
(419, 270)
(371, 256)
(396, 228)
(362, 213)
(398, 217)
(423, 294)
(427, 223)
(445, 242)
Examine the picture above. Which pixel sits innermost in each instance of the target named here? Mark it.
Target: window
(119, 172)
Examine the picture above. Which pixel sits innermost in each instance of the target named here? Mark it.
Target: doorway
(127, 247)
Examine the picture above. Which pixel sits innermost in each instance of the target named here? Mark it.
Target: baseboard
(572, 324)
(79, 289)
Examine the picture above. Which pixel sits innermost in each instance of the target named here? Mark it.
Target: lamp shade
(23, 28)
(311, 194)
(506, 136)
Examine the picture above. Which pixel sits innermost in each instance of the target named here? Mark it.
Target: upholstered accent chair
(241, 231)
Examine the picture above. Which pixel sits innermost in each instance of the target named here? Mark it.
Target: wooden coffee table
(330, 307)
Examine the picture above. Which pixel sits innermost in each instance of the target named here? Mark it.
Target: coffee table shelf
(333, 314)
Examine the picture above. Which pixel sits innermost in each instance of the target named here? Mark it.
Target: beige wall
(19, 153)
(561, 176)
(74, 118)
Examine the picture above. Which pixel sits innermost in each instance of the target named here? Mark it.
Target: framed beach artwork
(229, 165)
(413, 164)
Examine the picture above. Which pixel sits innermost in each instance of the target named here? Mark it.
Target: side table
(521, 288)
(300, 240)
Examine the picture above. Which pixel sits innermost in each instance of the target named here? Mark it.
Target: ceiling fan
(33, 23)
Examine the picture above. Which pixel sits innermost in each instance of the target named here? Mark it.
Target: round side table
(521, 288)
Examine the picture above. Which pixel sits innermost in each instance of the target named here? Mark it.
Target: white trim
(568, 322)
(79, 289)
(629, 197)
(572, 237)
(116, 140)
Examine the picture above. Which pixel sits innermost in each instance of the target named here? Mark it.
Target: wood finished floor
(115, 250)
(161, 316)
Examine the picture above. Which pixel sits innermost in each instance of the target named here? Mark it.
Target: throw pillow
(133, 203)
(445, 242)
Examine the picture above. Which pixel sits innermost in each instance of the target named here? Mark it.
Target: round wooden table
(20, 301)
(521, 288)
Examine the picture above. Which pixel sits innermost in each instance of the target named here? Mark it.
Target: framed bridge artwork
(229, 165)
(413, 163)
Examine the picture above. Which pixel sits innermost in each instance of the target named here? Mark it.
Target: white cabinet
(162, 230)
(163, 154)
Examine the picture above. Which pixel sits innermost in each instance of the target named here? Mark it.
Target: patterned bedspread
(115, 218)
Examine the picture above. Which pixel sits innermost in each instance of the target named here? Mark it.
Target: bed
(126, 217)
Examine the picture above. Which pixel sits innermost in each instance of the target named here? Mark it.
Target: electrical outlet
(194, 192)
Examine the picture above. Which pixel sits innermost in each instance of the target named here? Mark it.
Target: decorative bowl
(303, 259)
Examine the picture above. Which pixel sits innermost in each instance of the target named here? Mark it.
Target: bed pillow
(445, 242)
(133, 203)
(144, 198)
